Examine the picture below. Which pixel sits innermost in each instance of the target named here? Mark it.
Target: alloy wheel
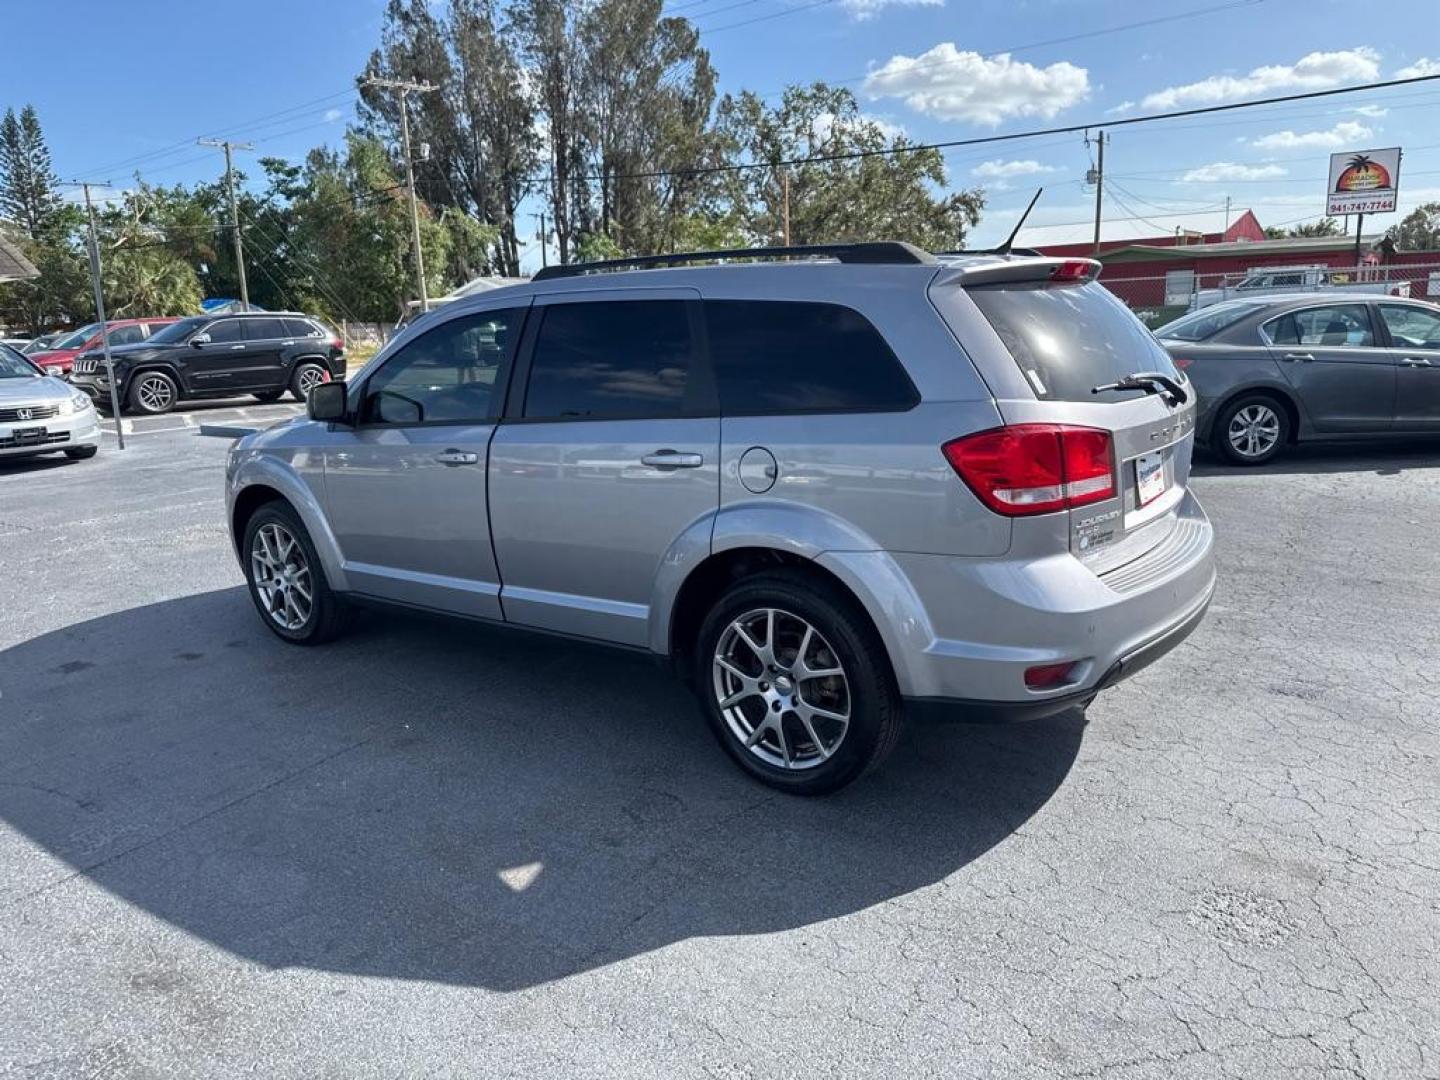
(282, 576)
(781, 689)
(308, 379)
(1254, 430)
(155, 394)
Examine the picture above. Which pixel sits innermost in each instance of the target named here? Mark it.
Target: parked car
(43, 342)
(16, 343)
(262, 354)
(1283, 280)
(830, 493)
(62, 353)
(1274, 372)
(40, 414)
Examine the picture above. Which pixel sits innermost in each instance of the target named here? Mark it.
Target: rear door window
(611, 359)
(265, 329)
(1337, 325)
(1067, 339)
(790, 357)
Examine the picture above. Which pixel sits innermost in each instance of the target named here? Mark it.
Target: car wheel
(306, 377)
(80, 453)
(287, 582)
(152, 393)
(793, 681)
(268, 396)
(1252, 430)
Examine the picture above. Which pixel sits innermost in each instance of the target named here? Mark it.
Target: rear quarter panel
(1219, 372)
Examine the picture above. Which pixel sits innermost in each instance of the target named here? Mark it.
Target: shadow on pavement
(1380, 458)
(429, 800)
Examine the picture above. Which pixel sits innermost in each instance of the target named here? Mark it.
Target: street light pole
(234, 210)
(405, 89)
(100, 314)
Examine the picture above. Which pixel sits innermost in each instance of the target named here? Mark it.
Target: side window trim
(700, 379)
(503, 377)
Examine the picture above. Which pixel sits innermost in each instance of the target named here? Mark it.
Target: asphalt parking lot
(437, 850)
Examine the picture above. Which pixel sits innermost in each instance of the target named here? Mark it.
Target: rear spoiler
(1052, 271)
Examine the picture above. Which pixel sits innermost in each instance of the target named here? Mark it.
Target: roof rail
(879, 252)
(991, 251)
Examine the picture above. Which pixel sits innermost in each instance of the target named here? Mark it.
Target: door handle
(234, 347)
(457, 457)
(1414, 361)
(672, 459)
(1293, 356)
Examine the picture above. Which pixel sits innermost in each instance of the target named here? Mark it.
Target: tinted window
(1067, 339)
(126, 335)
(265, 329)
(300, 328)
(176, 331)
(1342, 324)
(226, 330)
(1199, 325)
(1412, 327)
(629, 358)
(446, 375)
(774, 356)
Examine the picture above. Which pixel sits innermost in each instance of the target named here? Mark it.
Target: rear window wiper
(1151, 382)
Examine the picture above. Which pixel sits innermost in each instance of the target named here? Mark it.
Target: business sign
(1367, 182)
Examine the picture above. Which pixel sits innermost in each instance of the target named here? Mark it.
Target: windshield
(1199, 325)
(177, 331)
(1068, 339)
(15, 366)
(78, 337)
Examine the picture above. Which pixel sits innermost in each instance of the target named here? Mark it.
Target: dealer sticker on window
(1149, 478)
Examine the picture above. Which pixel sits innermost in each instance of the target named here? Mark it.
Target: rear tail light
(1028, 469)
(1075, 270)
(336, 342)
(1183, 362)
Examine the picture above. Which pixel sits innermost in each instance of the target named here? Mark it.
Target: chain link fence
(1159, 298)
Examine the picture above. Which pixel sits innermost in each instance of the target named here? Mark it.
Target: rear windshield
(1068, 339)
(1200, 325)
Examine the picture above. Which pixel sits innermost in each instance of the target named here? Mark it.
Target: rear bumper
(964, 631)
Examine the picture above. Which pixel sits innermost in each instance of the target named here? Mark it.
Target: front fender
(292, 476)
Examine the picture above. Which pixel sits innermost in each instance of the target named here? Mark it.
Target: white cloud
(860, 10)
(331, 115)
(1346, 131)
(1229, 170)
(1423, 66)
(1372, 111)
(954, 85)
(1314, 71)
(824, 124)
(1123, 107)
(1005, 170)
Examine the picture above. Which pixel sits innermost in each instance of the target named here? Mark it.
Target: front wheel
(1252, 430)
(794, 683)
(80, 453)
(287, 582)
(153, 393)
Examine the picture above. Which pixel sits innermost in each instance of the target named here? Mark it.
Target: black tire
(845, 636)
(329, 615)
(152, 393)
(299, 375)
(267, 396)
(80, 453)
(1274, 423)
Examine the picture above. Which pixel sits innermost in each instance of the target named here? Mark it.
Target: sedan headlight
(78, 402)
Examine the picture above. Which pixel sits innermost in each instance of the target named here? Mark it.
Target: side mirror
(55, 370)
(326, 402)
(199, 339)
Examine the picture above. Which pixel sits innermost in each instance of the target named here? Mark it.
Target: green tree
(1326, 226)
(28, 188)
(869, 193)
(1419, 230)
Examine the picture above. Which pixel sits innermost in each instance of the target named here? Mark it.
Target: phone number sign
(1363, 182)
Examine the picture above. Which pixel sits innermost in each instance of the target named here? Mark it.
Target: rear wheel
(287, 582)
(152, 393)
(1252, 429)
(793, 681)
(307, 376)
(80, 453)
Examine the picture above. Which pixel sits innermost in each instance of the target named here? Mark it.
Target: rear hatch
(1045, 336)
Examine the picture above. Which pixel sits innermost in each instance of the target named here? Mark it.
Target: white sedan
(41, 414)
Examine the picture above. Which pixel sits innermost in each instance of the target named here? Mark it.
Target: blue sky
(126, 86)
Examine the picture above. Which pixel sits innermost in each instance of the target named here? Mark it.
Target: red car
(62, 354)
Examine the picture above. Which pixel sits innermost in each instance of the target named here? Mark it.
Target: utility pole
(1359, 227)
(1099, 173)
(100, 312)
(543, 261)
(406, 89)
(1227, 217)
(785, 206)
(234, 209)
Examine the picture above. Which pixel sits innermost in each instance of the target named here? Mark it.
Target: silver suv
(832, 491)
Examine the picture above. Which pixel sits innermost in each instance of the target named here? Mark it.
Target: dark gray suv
(831, 491)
